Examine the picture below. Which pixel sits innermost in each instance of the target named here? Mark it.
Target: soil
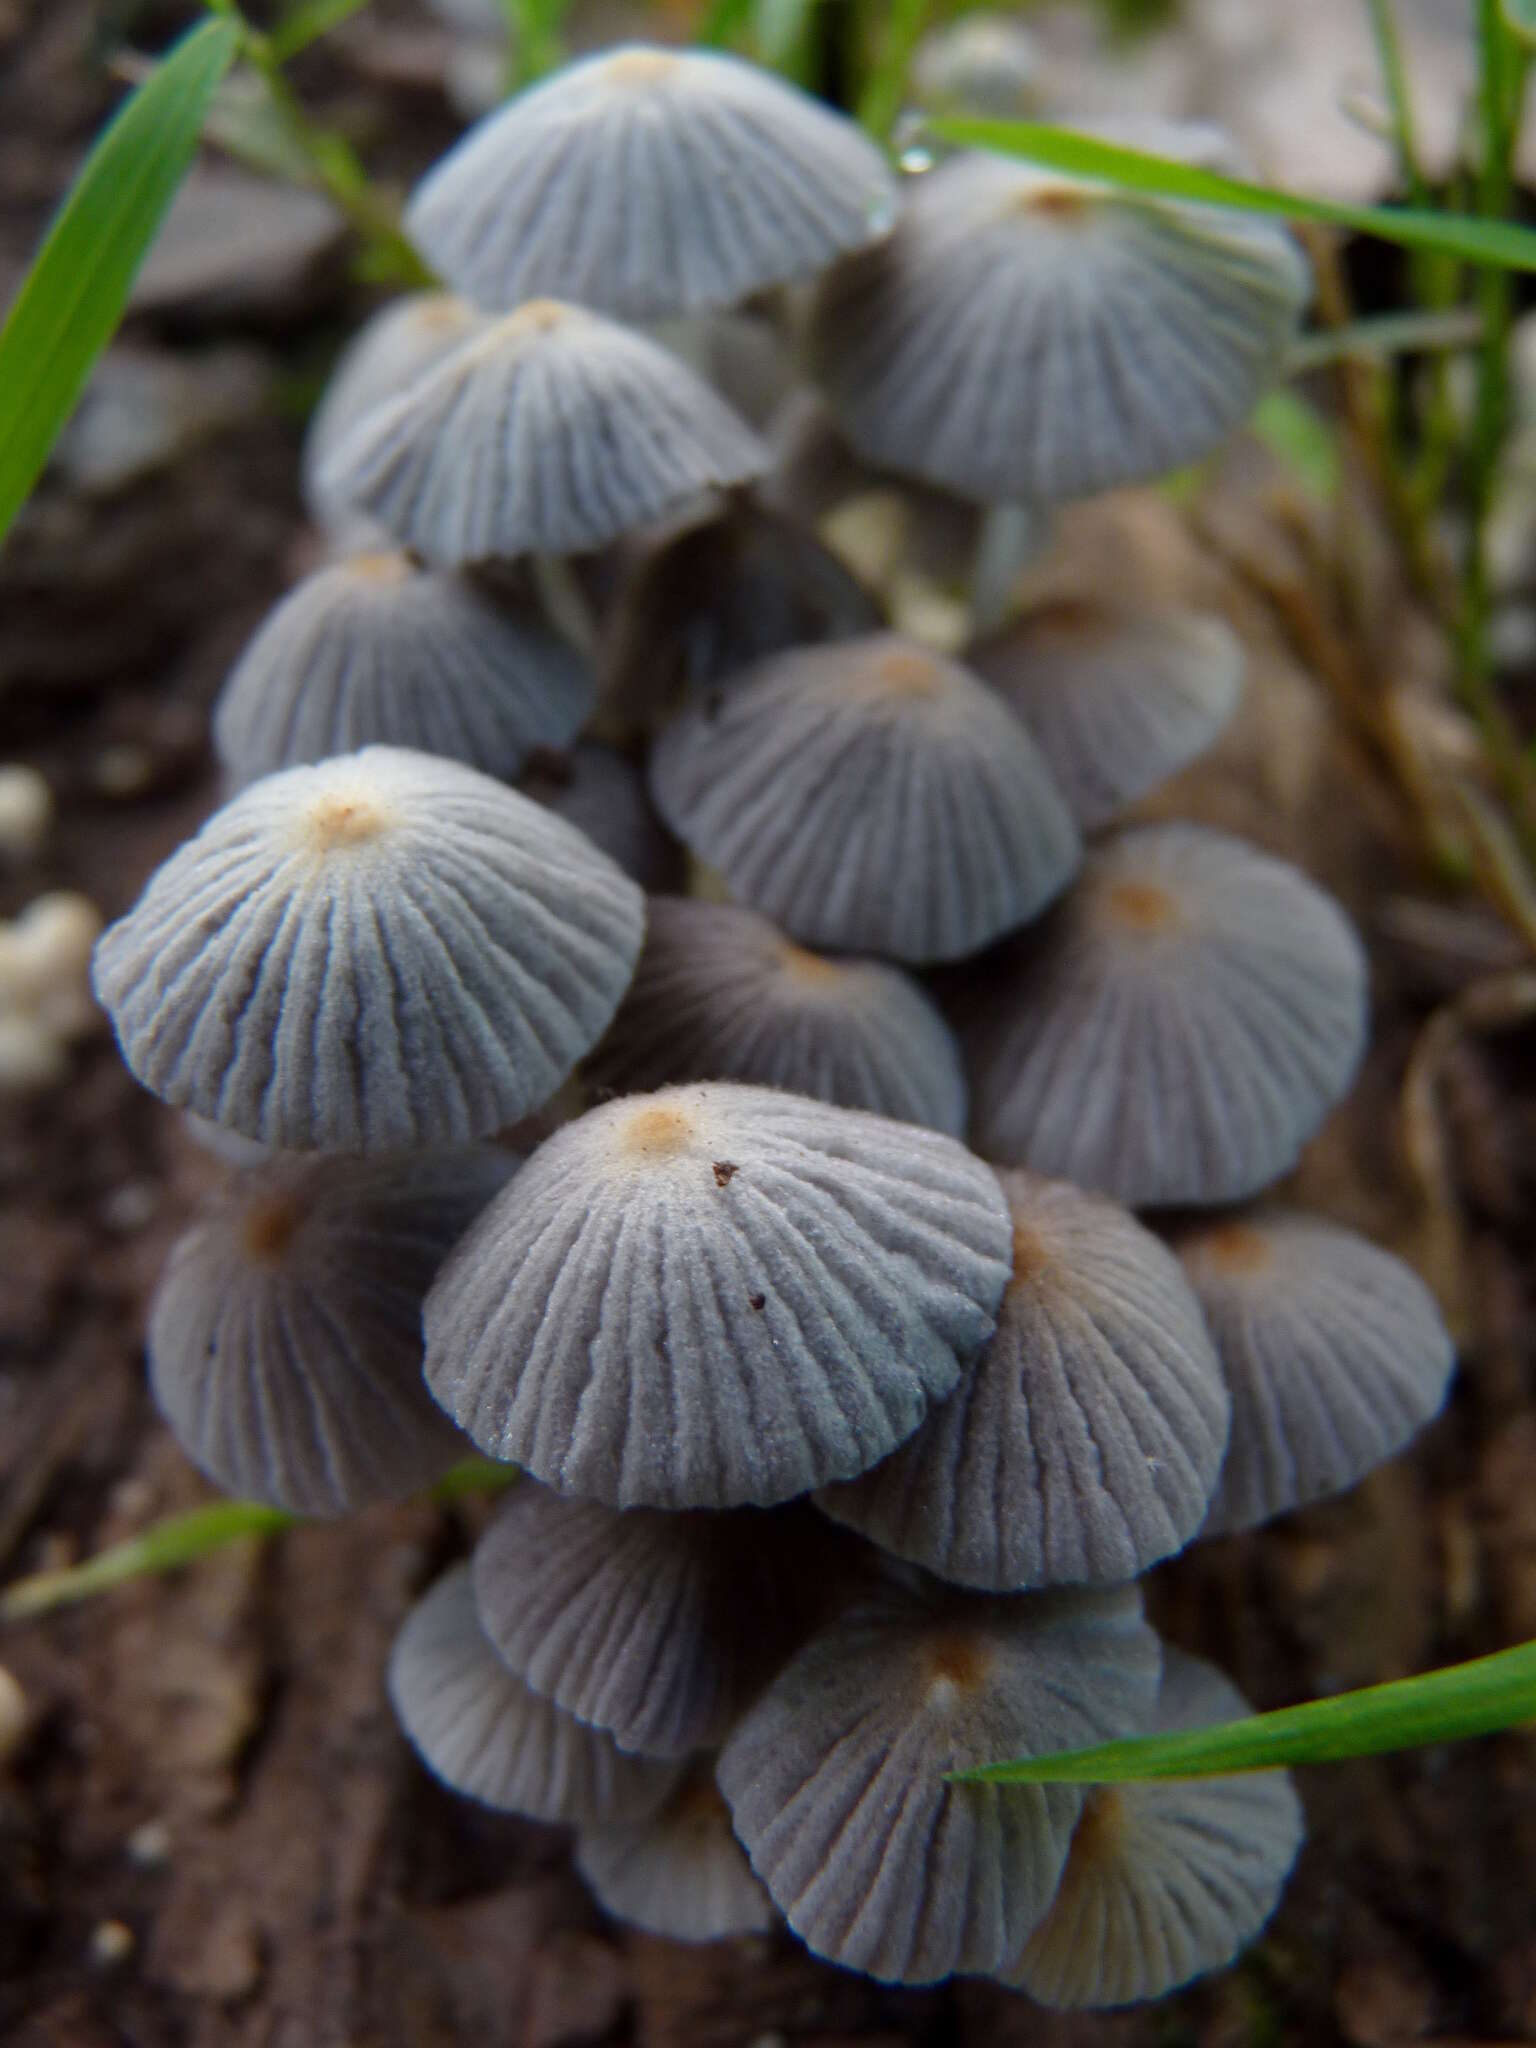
(211, 1834)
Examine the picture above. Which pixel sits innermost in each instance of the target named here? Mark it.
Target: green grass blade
(724, 22)
(307, 22)
(73, 297)
(1520, 18)
(178, 1540)
(1478, 1698)
(1500, 243)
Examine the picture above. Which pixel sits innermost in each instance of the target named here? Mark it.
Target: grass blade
(1500, 243)
(307, 22)
(73, 297)
(1480, 1698)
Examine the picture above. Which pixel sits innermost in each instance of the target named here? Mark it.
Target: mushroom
(487, 1736)
(1085, 1441)
(1165, 1879)
(650, 182)
(721, 995)
(1116, 697)
(1177, 1029)
(1334, 1351)
(717, 1296)
(837, 1776)
(682, 1873)
(602, 793)
(377, 649)
(868, 796)
(550, 432)
(378, 951)
(285, 1335)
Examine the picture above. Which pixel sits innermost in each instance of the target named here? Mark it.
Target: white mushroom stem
(563, 601)
(1010, 537)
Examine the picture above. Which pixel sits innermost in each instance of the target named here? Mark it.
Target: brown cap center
(907, 672)
(641, 67)
(1235, 1248)
(656, 1133)
(383, 568)
(339, 821)
(1140, 907)
(268, 1227)
(957, 1663)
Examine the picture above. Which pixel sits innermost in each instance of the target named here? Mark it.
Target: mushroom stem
(1010, 536)
(564, 602)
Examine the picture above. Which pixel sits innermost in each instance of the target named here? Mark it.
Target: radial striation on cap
(648, 182)
(869, 796)
(682, 1874)
(377, 952)
(1335, 1353)
(836, 1776)
(1177, 1029)
(550, 432)
(716, 1296)
(1084, 1442)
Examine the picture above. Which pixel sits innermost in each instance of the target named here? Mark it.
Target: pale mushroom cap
(1334, 1351)
(717, 1295)
(380, 951)
(1117, 699)
(1084, 1442)
(602, 793)
(683, 1874)
(648, 182)
(1026, 336)
(721, 995)
(375, 651)
(836, 1776)
(1177, 1029)
(869, 796)
(550, 432)
(1166, 1879)
(486, 1735)
(285, 1335)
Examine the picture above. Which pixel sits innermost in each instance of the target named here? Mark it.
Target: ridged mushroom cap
(603, 794)
(682, 1874)
(1177, 1029)
(377, 651)
(721, 995)
(1334, 1351)
(486, 1735)
(836, 1776)
(869, 796)
(550, 432)
(1117, 699)
(1023, 335)
(1083, 1444)
(1165, 1879)
(656, 1627)
(716, 1296)
(380, 951)
(647, 182)
(285, 1335)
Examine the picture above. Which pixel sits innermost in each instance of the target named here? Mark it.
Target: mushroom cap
(1084, 1443)
(603, 794)
(285, 1335)
(1116, 698)
(836, 1775)
(869, 796)
(375, 650)
(1334, 1351)
(681, 1874)
(1166, 1879)
(716, 1296)
(1178, 1028)
(721, 995)
(647, 182)
(1023, 335)
(550, 432)
(486, 1735)
(379, 951)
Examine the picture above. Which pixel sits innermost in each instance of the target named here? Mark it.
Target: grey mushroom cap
(1334, 1351)
(285, 1334)
(716, 1296)
(648, 182)
(1084, 1442)
(550, 432)
(602, 792)
(1165, 1880)
(869, 797)
(380, 951)
(836, 1776)
(1177, 1029)
(1117, 699)
(721, 995)
(483, 1733)
(1025, 336)
(682, 1874)
(377, 650)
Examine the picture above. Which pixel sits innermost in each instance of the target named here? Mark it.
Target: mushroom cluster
(849, 1395)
